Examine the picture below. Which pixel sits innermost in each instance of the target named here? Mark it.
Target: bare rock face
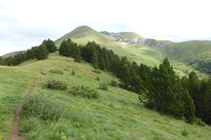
(142, 41)
(153, 43)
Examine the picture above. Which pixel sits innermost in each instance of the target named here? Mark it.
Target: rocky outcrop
(142, 41)
(120, 37)
(153, 43)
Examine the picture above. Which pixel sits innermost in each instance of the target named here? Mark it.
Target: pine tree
(64, 49)
(50, 45)
(77, 54)
(102, 64)
(189, 107)
(95, 61)
(42, 52)
(162, 90)
(143, 72)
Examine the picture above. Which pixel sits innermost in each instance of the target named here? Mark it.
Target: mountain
(184, 56)
(12, 54)
(83, 34)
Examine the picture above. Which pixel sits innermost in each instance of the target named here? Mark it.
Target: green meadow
(56, 114)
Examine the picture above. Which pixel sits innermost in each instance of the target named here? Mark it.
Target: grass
(181, 54)
(116, 114)
(15, 83)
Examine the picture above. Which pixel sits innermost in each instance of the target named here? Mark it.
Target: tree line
(38, 52)
(159, 87)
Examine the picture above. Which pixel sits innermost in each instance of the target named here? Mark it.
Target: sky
(26, 23)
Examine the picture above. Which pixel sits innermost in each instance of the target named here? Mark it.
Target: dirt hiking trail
(15, 133)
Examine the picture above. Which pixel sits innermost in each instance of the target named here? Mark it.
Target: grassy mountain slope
(116, 114)
(185, 56)
(130, 34)
(125, 34)
(12, 54)
(83, 34)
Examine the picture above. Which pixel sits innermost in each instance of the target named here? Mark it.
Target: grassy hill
(130, 34)
(125, 34)
(116, 114)
(12, 54)
(186, 56)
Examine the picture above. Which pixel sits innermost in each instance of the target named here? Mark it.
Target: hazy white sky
(26, 23)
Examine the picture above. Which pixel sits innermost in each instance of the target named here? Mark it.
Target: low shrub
(53, 84)
(103, 86)
(56, 71)
(113, 83)
(73, 72)
(185, 132)
(98, 78)
(85, 92)
(97, 71)
(44, 108)
(200, 122)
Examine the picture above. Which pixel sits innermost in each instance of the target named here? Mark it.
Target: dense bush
(85, 92)
(185, 132)
(53, 84)
(98, 78)
(56, 71)
(103, 86)
(200, 122)
(73, 72)
(97, 71)
(113, 83)
(44, 108)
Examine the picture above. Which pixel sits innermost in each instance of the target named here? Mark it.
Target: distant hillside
(12, 54)
(190, 55)
(83, 34)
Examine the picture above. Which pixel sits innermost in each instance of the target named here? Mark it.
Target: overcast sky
(26, 23)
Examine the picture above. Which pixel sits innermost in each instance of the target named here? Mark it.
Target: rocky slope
(132, 38)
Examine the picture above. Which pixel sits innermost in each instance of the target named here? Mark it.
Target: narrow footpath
(15, 134)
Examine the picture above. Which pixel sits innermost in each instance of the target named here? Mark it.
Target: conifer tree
(77, 54)
(95, 61)
(102, 63)
(189, 107)
(64, 49)
(50, 45)
(42, 52)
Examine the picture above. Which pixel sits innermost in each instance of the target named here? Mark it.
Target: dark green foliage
(43, 108)
(97, 71)
(103, 86)
(50, 45)
(64, 49)
(42, 52)
(163, 91)
(113, 83)
(85, 92)
(95, 61)
(98, 78)
(189, 107)
(30, 54)
(73, 72)
(56, 71)
(185, 132)
(77, 54)
(53, 84)
(201, 95)
(200, 122)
